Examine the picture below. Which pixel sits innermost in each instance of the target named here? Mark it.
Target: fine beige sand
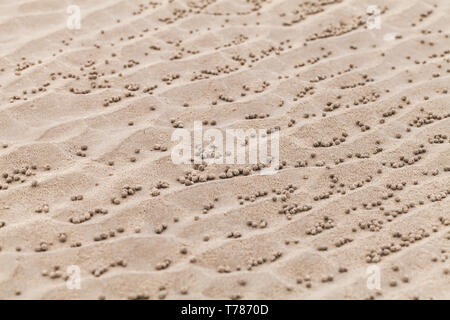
(88, 183)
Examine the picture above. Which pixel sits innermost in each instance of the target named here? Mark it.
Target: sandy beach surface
(92, 205)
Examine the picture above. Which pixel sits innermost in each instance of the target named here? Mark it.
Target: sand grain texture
(87, 180)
